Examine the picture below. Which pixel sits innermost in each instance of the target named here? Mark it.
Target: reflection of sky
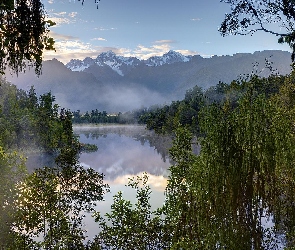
(120, 157)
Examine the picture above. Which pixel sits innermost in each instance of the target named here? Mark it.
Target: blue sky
(143, 28)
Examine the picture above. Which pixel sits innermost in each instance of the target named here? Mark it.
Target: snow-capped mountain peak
(121, 64)
(76, 65)
(168, 58)
(174, 56)
(79, 65)
(106, 56)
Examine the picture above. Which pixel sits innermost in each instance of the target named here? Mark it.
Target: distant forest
(187, 112)
(164, 119)
(96, 116)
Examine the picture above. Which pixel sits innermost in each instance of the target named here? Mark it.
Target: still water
(125, 151)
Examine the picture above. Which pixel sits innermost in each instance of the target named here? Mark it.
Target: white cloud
(57, 36)
(72, 14)
(60, 20)
(187, 52)
(63, 17)
(196, 19)
(157, 49)
(69, 47)
(63, 13)
(98, 39)
(104, 29)
(156, 182)
(164, 41)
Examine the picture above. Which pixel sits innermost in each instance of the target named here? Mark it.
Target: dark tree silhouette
(23, 34)
(276, 17)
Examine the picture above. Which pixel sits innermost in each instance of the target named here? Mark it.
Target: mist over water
(124, 149)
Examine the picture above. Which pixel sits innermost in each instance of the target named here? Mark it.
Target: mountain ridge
(100, 86)
(117, 63)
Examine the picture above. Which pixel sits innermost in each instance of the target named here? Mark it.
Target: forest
(95, 116)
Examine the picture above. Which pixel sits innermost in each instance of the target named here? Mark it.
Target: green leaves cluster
(51, 205)
(23, 35)
(167, 118)
(243, 175)
(96, 116)
(186, 112)
(13, 170)
(130, 226)
(28, 122)
(43, 209)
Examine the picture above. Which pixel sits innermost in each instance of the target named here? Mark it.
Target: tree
(52, 203)
(242, 178)
(12, 167)
(132, 226)
(23, 34)
(249, 16)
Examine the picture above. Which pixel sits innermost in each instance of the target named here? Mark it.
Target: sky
(143, 29)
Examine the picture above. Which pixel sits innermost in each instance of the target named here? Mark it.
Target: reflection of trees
(130, 163)
(161, 143)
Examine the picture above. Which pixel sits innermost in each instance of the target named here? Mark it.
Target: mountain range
(123, 65)
(117, 84)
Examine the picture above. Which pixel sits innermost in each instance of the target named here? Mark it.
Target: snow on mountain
(121, 64)
(78, 65)
(168, 58)
(115, 62)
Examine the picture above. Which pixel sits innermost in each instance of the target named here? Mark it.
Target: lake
(125, 151)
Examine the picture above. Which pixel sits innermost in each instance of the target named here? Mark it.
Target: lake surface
(125, 151)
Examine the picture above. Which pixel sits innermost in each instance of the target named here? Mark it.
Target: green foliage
(167, 118)
(186, 112)
(95, 116)
(24, 35)
(86, 147)
(45, 209)
(130, 226)
(243, 176)
(12, 169)
(52, 204)
(27, 122)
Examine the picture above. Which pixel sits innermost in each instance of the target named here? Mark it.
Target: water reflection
(125, 152)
